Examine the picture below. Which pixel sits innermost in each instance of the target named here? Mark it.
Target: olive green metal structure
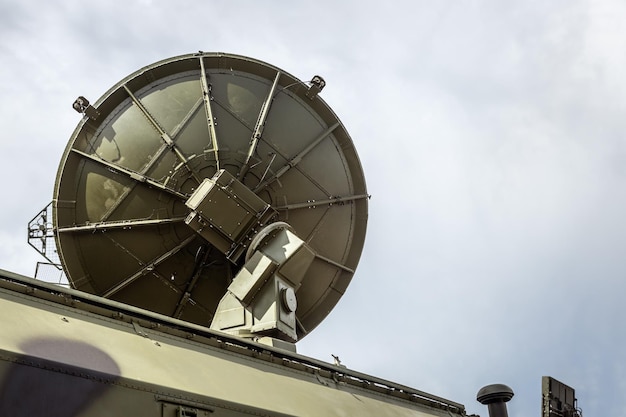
(175, 170)
(209, 211)
(66, 353)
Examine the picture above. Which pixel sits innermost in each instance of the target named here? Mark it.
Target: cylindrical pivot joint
(495, 397)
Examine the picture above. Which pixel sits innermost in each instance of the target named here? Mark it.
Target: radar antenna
(213, 188)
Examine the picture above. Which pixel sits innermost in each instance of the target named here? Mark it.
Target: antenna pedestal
(261, 300)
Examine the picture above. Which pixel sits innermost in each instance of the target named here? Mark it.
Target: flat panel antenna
(558, 399)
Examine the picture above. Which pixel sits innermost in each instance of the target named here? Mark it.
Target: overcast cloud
(492, 138)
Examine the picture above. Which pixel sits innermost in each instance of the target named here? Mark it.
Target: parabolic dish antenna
(182, 170)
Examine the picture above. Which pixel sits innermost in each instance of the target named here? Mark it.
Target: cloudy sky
(492, 138)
